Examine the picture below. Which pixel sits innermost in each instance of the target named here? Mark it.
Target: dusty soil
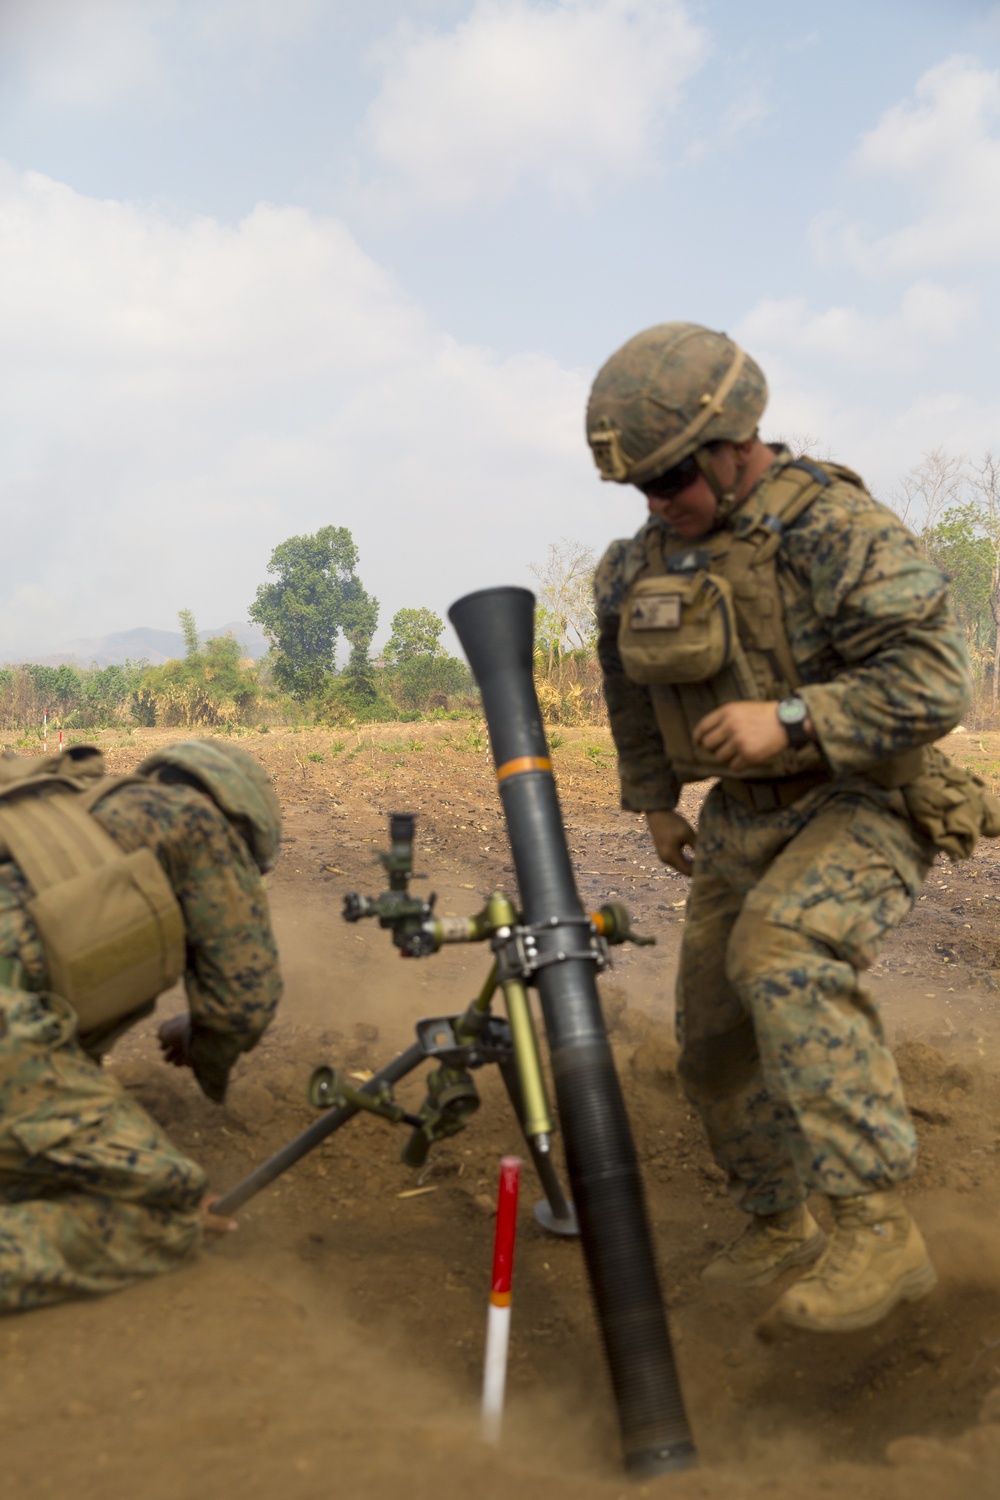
(333, 1345)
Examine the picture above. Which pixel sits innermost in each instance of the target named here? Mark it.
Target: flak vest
(704, 625)
(110, 925)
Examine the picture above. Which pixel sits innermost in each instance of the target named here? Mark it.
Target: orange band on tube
(501, 1299)
(521, 764)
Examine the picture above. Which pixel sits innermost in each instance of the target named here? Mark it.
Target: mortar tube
(495, 627)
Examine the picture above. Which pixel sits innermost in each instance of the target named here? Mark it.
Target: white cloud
(93, 53)
(82, 52)
(223, 21)
(929, 315)
(880, 443)
(748, 110)
(804, 43)
(945, 148)
(879, 388)
(870, 389)
(565, 95)
(181, 397)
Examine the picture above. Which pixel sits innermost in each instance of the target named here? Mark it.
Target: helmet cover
(237, 784)
(666, 393)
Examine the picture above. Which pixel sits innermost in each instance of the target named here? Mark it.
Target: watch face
(792, 711)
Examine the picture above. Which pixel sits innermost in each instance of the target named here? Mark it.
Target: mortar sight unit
(465, 1042)
(409, 919)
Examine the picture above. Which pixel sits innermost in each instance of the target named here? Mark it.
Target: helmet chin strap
(726, 498)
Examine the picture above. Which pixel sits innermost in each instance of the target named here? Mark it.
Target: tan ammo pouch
(109, 922)
(899, 771)
(951, 805)
(678, 626)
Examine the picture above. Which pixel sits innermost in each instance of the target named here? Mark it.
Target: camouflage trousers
(782, 1053)
(93, 1195)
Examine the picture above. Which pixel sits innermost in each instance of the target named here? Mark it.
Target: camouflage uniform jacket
(232, 978)
(869, 626)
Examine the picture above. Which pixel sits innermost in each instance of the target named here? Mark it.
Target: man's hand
(670, 833)
(174, 1037)
(741, 735)
(213, 1223)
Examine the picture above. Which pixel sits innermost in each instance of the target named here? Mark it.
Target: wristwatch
(792, 716)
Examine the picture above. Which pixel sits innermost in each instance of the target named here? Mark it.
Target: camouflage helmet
(237, 784)
(666, 393)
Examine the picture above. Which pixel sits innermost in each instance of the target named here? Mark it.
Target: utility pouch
(678, 626)
(113, 937)
(951, 806)
(110, 924)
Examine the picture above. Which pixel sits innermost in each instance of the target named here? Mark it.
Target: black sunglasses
(671, 483)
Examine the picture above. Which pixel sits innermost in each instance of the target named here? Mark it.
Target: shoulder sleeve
(648, 781)
(610, 587)
(882, 605)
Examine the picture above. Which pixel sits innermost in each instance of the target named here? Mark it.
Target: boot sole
(910, 1288)
(810, 1251)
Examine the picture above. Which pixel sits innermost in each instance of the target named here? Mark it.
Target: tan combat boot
(876, 1258)
(768, 1245)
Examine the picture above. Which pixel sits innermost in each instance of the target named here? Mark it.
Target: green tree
(986, 486)
(316, 595)
(955, 511)
(209, 686)
(73, 697)
(960, 547)
(419, 673)
(564, 617)
(415, 633)
(428, 682)
(548, 639)
(359, 620)
(190, 632)
(567, 676)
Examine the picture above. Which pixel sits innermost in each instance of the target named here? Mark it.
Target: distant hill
(144, 644)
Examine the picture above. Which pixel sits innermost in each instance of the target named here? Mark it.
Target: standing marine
(111, 889)
(775, 629)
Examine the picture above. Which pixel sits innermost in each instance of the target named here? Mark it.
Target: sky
(269, 265)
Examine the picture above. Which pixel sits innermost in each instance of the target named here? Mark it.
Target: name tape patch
(660, 613)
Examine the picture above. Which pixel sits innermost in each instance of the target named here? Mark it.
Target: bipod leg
(327, 1123)
(554, 1213)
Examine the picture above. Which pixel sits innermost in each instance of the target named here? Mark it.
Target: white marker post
(498, 1318)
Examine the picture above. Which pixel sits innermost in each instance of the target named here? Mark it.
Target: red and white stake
(498, 1318)
(45, 731)
(60, 742)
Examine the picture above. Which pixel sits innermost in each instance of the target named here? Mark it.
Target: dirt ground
(333, 1345)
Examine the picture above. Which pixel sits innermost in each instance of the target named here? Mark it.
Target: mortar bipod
(452, 1098)
(458, 1044)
